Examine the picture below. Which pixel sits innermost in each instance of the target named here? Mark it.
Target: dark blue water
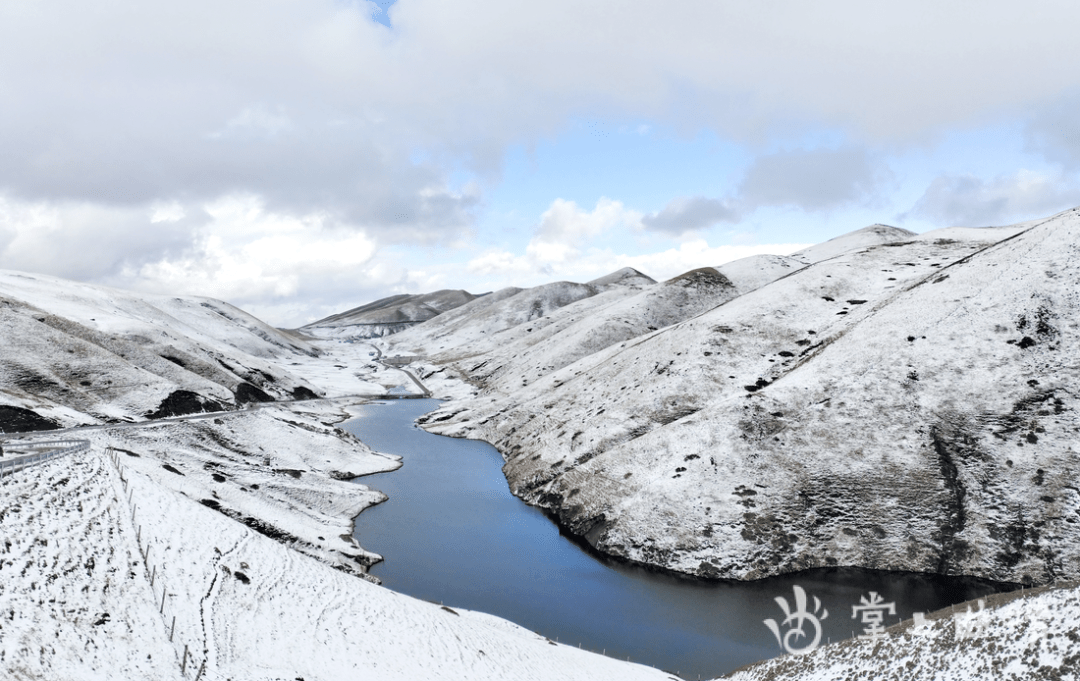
(452, 533)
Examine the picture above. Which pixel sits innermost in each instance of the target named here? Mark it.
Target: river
(453, 533)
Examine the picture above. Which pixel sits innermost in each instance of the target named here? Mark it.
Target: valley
(882, 401)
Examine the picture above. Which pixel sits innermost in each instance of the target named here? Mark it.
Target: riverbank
(239, 527)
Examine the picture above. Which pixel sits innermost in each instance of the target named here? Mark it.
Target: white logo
(973, 624)
(873, 611)
(795, 620)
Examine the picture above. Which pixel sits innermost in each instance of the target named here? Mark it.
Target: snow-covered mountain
(907, 403)
(521, 354)
(387, 315)
(902, 402)
(219, 544)
(73, 353)
(460, 329)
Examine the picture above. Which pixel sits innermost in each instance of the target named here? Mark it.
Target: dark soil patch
(289, 471)
(182, 403)
(263, 528)
(242, 578)
(247, 393)
(302, 393)
(171, 469)
(19, 420)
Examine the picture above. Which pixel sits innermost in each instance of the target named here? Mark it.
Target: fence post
(163, 594)
(183, 664)
(172, 629)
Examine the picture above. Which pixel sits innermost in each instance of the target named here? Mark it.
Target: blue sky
(299, 157)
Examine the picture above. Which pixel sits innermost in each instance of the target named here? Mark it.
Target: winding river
(452, 533)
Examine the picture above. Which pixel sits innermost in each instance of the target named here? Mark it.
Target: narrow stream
(452, 533)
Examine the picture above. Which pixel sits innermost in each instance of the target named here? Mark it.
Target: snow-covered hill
(523, 353)
(73, 354)
(388, 315)
(874, 235)
(903, 405)
(462, 328)
(231, 561)
(227, 552)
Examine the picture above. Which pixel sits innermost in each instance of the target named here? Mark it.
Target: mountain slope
(485, 317)
(902, 406)
(526, 352)
(74, 353)
(388, 315)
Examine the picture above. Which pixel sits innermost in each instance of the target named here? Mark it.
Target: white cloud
(124, 123)
(255, 121)
(564, 228)
(237, 250)
(88, 241)
(498, 269)
(969, 201)
(563, 248)
(312, 103)
(688, 214)
(814, 179)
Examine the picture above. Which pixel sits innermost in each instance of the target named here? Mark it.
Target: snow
(483, 318)
(522, 354)
(751, 273)
(770, 434)
(885, 399)
(111, 355)
(244, 516)
(874, 235)
(1009, 636)
(246, 605)
(67, 560)
(388, 315)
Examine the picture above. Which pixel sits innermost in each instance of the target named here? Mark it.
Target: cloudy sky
(299, 157)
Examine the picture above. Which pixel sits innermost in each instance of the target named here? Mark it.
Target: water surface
(452, 533)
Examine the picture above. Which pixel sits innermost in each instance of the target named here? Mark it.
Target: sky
(301, 157)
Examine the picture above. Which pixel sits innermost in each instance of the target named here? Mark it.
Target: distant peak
(874, 235)
(702, 276)
(627, 276)
(887, 231)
